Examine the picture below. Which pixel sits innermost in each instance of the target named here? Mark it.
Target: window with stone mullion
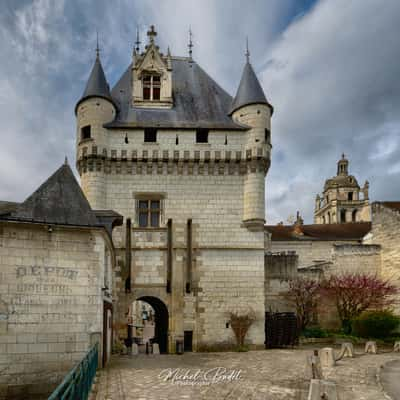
(149, 213)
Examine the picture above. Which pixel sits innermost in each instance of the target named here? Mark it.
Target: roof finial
(97, 44)
(343, 156)
(247, 54)
(138, 42)
(190, 45)
(66, 160)
(151, 34)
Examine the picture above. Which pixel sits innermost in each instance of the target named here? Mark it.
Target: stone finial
(370, 347)
(347, 350)
(327, 357)
(151, 34)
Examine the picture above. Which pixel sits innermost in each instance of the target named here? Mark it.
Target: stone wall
(280, 268)
(310, 252)
(385, 232)
(51, 301)
(228, 259)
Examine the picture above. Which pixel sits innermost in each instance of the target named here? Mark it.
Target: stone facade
(51, 303)
(204, 255)
(342, 199)
(385, 233)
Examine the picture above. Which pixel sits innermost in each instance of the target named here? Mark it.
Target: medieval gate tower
(185, 164)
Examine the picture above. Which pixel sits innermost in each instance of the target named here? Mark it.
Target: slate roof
(348, 231)
(249, 91)
(6, 207)
(59, 200)
(97, 85)
(198, 102)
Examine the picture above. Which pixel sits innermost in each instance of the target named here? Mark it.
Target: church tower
(342, 199)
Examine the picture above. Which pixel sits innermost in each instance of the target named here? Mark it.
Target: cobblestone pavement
(268, 374)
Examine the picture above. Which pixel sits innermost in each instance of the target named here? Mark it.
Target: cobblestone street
(272, 375)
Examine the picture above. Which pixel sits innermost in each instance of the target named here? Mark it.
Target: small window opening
(226, 140)
(85, 132)
(149, 213)
(342, 215)
(350, 196)
(202, 136)
(150, 135)
(151, 87)
(354, 216)
(267, 135)
(177, 140)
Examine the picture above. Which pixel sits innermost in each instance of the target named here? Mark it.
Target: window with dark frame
(85, 132)
(151, 87)
(150, 135)
(267, 135)
(202, 135)
(350, 196)
(149, 212)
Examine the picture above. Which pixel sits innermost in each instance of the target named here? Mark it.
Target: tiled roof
(348, 231)
(394, 205)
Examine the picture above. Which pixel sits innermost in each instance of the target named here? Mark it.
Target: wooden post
(128, 256)
(169, 255)
(189, 250)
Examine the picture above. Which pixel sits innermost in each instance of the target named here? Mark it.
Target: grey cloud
(332, 77)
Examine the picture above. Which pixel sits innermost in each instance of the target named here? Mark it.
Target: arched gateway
(161, 321)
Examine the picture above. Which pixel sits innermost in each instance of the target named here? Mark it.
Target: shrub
(375, 324)
(355, 293)
(240, 324)
(315, 332)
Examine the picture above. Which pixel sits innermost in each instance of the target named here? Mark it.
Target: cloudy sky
(330, 68)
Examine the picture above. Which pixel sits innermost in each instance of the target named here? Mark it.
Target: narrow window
(150, 135)
(146, 87)
(85, 132)
(149, 213)
(354, 216)
(202, 136)
(156, 87)
(350, 196)
(151, 87)
(342, 216)
(267, 135)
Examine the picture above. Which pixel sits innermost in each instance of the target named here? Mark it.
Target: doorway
(153, 319)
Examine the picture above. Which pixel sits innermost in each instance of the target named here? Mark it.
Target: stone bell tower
(342, 199)
(251, 108)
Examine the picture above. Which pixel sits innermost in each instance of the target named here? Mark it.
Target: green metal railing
(77, 383)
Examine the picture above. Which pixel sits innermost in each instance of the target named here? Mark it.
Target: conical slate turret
(249, 91)
(97, 85)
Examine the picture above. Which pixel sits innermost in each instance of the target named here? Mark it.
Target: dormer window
(151, 87)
